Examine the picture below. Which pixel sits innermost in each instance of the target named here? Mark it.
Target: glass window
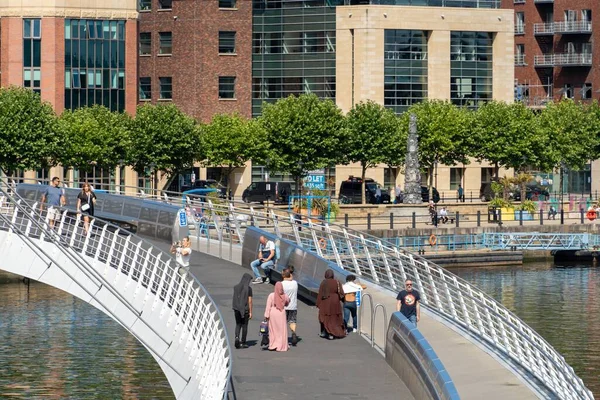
(166, 88)
(145, 5)
(226, 42)
(586, 91)
(166, 43)
(32, 29)
(165, 4)
(145, 88)
(227, 87)
(145, 43)
(456, 176)
(227, 3)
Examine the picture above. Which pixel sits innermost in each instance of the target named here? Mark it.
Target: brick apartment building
(557, 50)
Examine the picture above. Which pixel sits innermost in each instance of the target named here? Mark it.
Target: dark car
(278, 192)
(350, 191)
(532, 192)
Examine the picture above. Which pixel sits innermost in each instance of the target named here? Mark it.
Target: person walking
(55, 197)
(275, 314)
(290, 287)
(86, 199)
(351, 287)
(409, 303)
(242, 309)
(461, 194)
(266, 254)
(183, 253)
(330, 307)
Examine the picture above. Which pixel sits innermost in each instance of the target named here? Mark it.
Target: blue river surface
(55, 346)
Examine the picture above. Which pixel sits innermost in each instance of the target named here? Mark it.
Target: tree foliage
(164, 138)
(304, 133)
(373, 136)
(507, 136)
(444, 133)
(231, 141)
(27, 131)
(93, 136)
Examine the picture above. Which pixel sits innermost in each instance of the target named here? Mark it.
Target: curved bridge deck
(315, 369)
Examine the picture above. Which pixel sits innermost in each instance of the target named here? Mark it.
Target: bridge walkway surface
(315, 369)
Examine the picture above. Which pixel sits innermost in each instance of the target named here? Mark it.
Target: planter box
(508, 214)
(527, 216)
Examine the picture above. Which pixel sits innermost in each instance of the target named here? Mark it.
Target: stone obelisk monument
(412, 176)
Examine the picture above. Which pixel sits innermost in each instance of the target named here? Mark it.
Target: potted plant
(504, 206)
(525, 210)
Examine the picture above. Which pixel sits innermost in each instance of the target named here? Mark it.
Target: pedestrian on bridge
(55, 197)
(266, 254)
(275, 314)
(409, 303)
(86, 199)
(290, 287)
(242, 308)
(330, 307)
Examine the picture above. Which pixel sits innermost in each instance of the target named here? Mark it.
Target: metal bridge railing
(452, 298)
(188, 308)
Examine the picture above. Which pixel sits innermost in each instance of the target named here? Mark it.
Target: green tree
(162, 139)
(93, 136)
(507, 136)
(444, 133)
(27, 131)
(373, 137)
(305, 133)
(570, 135)
(231, 141)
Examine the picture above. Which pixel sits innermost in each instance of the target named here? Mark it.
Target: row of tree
(294, 135)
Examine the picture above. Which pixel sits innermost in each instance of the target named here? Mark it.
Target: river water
(53, 345)
(560, 301)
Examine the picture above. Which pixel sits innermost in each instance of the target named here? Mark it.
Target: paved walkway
(315, 369)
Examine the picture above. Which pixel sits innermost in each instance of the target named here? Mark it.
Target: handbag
(264, 328)
(85, 207)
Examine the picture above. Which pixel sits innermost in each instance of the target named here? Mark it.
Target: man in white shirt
(351, 287)
(183, 253)
(266, 255)
(290, 287)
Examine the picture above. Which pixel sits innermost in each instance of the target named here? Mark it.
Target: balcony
(519, 29)
(543, 1)
(563, 60)
(520, 60)
(543, 29)
(519, 2)
(573, 27)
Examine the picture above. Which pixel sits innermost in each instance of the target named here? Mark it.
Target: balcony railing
(519, 29)
(519, 2)
(565, 60)
(543, 29)
(520, 59)
(573, 27)
(543, 1)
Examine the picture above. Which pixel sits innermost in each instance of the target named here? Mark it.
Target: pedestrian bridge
(540, 241)
(155, 304)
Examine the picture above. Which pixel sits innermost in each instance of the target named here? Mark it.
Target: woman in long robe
(330, 307)
(275, 314)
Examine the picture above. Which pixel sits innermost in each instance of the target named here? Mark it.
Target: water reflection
(561, 302)
(55, 346)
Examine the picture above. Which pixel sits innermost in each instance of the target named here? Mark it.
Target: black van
(279, 192)
(350, 191)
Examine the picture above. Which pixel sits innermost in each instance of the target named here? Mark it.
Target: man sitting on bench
(266, 253)
(443, 215)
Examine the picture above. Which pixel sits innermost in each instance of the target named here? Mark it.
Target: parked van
(350, 191)
(278, 192)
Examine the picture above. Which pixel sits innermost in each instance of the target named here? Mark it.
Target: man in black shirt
(408, 303)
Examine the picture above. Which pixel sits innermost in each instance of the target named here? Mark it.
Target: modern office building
(557, 55)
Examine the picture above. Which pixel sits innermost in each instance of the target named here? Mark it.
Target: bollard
(346, 220)
(457, 219)
(391, 220)
(521, 217)
(562, 216)
(369, 221)
(499, 217)
(478, 218)
(414, 220)
(541, 216)
(581, 214)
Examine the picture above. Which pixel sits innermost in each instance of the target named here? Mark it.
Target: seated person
(443, 215)
(266, 253)
(552, 213)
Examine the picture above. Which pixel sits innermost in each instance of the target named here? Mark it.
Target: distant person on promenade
(444, 215)
(275, 314)
(183, 253)
(399, 195)
(242, 309)
(330, 307)
(432, 212)
(461, 193)
(409, 303)
(266, 253)
(378, 195)
(290, 287)
(552, 213)
(351, 287)
(55, 197)
(86, 200)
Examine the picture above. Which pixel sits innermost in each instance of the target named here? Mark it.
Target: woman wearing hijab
(275, 314)
(330, 307)
(242, 308)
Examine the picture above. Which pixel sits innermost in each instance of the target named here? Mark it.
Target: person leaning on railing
(409, 303)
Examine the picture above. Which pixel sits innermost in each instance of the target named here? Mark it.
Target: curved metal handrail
(184, 298)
